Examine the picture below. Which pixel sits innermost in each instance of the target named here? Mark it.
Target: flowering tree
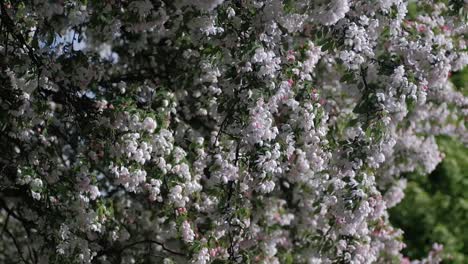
(216, 131)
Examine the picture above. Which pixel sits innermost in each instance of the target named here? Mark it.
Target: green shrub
(435, 208)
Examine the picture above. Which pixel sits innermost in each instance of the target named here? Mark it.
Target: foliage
(435, 207)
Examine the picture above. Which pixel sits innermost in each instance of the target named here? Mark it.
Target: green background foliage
(435, 207)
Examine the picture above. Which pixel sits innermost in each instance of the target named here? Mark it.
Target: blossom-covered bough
(219, 131)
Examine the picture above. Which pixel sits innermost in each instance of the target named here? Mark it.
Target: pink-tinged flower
(54, 200)
(187, 233)
(421, 28)
(290, 57)
(314, 94)
(445, 28)
(213, 252)
(340, 220)
(277, 217)
(437, 247)
(149, 124)
(405, 260)
(181, 210)
(291, 82)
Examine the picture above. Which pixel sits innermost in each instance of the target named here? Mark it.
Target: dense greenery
(435, 208)
(460, 79)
